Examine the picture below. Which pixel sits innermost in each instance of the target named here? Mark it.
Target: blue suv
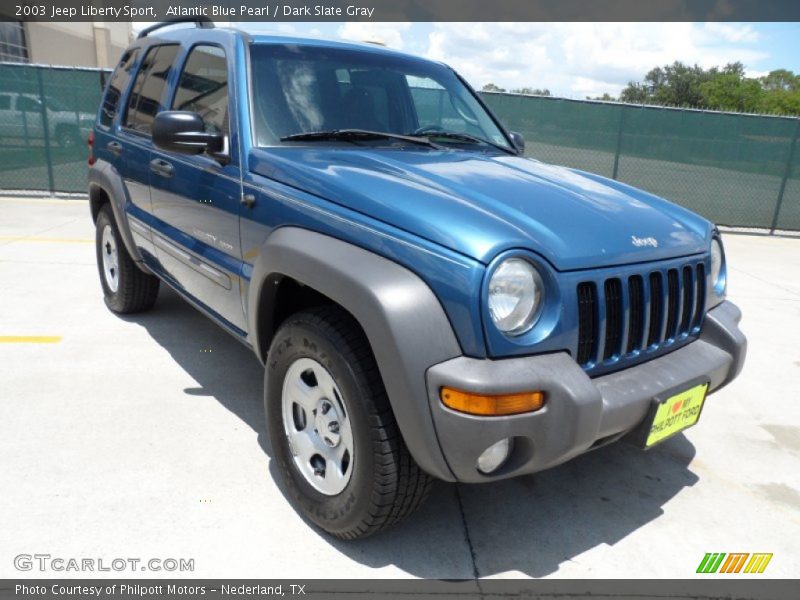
(427, 302)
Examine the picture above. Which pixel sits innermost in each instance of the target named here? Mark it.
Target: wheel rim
(317, 426)
(108, 250)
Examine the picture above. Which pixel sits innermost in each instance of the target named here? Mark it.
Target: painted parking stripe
(34, 200)
(50, 240)
(30, 339)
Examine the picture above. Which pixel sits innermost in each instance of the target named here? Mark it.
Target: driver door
(196, 198)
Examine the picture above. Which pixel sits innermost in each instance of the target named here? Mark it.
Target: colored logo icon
(737, 562)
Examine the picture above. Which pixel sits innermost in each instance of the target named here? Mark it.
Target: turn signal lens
(491, 406)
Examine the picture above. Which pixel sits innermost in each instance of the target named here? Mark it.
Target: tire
(126, 288)
(379, 483)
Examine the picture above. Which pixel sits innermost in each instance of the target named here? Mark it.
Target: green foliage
(605, 97)
(490, 87)
(726, 88)
(532, 91)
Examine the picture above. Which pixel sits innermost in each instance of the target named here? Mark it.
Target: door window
(148, 91)
(28, 104)
(203, 87)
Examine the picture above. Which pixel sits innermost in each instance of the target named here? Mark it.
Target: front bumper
(580, 413)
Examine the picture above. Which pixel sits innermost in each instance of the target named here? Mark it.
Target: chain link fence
(46, 114)
(737, 170)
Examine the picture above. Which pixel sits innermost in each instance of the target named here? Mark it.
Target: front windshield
(305, 89)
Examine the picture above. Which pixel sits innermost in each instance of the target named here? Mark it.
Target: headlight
(717, 260)
(516, 293)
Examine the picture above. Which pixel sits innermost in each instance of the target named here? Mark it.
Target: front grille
(621, 317)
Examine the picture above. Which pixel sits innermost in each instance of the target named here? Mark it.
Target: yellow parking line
(51, 240)
(35, 200)
(30, 339)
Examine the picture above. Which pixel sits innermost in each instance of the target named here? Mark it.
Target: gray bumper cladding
(579, 413)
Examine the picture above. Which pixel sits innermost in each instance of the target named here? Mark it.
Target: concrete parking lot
(143, 437)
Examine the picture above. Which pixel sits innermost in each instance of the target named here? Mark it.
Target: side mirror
(518, 140)
(183, 131)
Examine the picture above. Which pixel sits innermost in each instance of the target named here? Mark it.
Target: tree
(490, 87)
(635, 93)
(532, 91)
(781, 80)
(605, 98)
(731, 91)
(725, 88)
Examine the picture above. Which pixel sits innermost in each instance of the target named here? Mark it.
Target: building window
(13, 46)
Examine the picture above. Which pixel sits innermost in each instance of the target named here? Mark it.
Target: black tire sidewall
(343, 512)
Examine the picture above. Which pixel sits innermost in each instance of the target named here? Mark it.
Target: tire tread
(399, 486)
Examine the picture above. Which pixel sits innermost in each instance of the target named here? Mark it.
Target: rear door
(196, 198)
(144, 101)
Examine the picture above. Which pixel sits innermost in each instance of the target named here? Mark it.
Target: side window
(28, 104)
(203, 87)
(5, 102)
(148, 90)
(117, 86)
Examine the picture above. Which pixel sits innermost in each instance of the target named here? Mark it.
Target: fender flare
(103, 176)
(404, 322)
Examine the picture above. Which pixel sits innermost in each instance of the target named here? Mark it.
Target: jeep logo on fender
(647, 241)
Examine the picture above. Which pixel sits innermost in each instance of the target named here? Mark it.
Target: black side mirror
(183, 131)
(518, 140)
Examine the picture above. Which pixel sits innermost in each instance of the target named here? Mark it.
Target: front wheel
(333, 435)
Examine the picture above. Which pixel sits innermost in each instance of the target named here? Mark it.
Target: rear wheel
(338, 448)
(126, 288)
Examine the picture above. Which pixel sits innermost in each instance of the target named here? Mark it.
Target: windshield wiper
(466, 137)
(357, 134)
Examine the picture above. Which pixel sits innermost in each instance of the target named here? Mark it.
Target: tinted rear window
(117, 86)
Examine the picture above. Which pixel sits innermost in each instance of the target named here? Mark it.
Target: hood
(481, 204)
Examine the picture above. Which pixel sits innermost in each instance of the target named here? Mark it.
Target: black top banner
(403, 10)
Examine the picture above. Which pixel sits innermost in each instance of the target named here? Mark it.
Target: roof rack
(202, 22)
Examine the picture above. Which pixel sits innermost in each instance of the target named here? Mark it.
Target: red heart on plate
(677, 406)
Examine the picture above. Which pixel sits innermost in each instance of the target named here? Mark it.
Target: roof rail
(202, 22)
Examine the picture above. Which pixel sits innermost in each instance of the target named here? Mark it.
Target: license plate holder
(671, 412)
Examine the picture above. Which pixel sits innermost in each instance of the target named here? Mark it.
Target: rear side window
(148, 89)
(117, 86)
(203, 87)
(28, 104)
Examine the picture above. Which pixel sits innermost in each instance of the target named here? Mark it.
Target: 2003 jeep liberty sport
(426, 301)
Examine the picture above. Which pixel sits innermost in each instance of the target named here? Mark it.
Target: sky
(572, 60)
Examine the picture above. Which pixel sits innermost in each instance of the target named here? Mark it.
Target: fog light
(494, 456)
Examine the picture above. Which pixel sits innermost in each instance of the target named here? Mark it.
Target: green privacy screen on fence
(737, 170)
(45, 115)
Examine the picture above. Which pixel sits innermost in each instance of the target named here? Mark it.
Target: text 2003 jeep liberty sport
(426, 301)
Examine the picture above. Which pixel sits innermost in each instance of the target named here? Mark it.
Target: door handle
(161, 167)
(114, 147)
